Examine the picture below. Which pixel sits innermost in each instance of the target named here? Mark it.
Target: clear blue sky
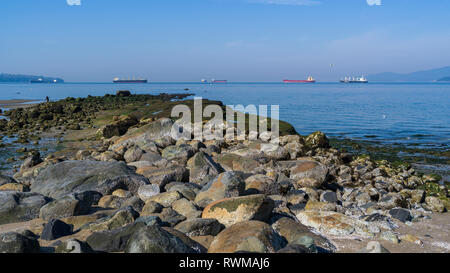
(238, 40)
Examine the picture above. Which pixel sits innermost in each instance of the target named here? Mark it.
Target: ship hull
(219, 81)
(298, 81)
(354, 81)
(131, 81)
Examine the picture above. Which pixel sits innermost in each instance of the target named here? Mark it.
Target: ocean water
(416, 114)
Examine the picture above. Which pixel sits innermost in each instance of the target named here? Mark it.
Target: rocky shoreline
(118, 182)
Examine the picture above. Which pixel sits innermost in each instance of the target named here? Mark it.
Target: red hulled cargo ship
(309, 80)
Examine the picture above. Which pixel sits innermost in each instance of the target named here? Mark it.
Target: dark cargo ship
(117, 80)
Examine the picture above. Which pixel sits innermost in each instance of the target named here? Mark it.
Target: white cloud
(74, 2)
(287, 2)
(374, 2)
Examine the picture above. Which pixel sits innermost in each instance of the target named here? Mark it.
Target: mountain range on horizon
(26, 78)
(437, 74)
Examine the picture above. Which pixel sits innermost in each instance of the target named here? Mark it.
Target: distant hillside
(420, 76)
(446, 79)
(27, 78)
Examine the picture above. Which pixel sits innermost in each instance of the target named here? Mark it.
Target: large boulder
(186, 208)
(113, 240)
(263, 184)
(308, 173)
(248, 236)
(145, 134)
(166, 198)
(188, 190)
(200, 227)
(234, 162)
(161, 176)
(202, 168)
(317, 140)
(180, 153)
(78, 176)
(118, 128)
(6, 180)
(145, 192)
(154, 239)
(70, 205)
(225, 185)
(20, 206)
(13, 242)
(294, 232)
(334, 223)
(275, 152)
(133, 154)
(56, 229)
(238, 209)
(119, 219)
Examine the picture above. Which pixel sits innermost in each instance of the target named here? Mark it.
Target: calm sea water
(408, 113)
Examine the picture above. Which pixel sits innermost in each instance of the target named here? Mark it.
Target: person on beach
(47, 99)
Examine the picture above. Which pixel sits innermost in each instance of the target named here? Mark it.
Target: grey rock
(202, 168)
(329, 197)
(225, 185)
(78, 176)
(113, 240)
(70, 205)
(56, 229)
(374, 247)
(145, 192)
(6, 180)
(401, 214)
(73, 246)
(149, 220)
(153, 239)
(200, 227)
(20, 206)
(133, 154)
(13, 242)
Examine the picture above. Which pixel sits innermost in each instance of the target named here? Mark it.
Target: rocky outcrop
(225, 185)
(248, 236)
(18, 243)
(20, 206)
(239, 209)
(78, 176)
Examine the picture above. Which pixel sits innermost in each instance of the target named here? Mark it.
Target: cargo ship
(219, 81)
(117, 80)
(40, 80)
(309, 80)
(354, 80)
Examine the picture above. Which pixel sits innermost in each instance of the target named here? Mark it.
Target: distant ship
(204, 81)
(355, 80)
(117, 80)
(309, 80)
(219, 81)
(40, 80)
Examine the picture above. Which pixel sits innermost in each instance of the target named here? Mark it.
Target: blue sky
(238, 40)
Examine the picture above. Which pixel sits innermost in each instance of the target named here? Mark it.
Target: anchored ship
(40, 80)
(219, 81)
(309, 80)
(117, 80)
(354, 80)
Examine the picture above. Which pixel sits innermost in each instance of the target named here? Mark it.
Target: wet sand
(434, 233)
(13, 104)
